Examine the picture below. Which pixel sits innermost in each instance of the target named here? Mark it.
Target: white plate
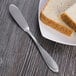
(52, 34)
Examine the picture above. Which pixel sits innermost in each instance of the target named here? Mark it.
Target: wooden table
(16, 47)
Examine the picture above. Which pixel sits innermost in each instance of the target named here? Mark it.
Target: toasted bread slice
(50, 15)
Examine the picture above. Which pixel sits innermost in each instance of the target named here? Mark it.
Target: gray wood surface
(16, 47)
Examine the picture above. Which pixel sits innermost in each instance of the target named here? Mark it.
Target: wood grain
(16, 47)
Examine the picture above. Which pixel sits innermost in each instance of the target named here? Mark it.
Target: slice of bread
(50, 15)
(69, 16)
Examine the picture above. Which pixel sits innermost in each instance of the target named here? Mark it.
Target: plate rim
(60, 42)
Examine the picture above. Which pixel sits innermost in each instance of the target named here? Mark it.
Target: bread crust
(59, 27)
(68, 21)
